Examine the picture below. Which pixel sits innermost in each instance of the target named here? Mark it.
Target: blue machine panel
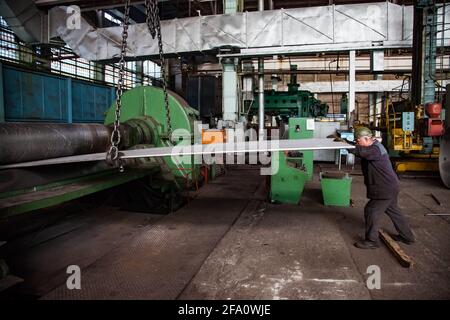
(90, 102)
(408, 121)
(34, 96)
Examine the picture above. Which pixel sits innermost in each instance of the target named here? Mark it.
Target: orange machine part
(213, 136)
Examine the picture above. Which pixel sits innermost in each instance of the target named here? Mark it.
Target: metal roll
(20, 142)
(444, 158)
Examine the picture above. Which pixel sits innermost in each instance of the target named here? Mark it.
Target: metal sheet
(187, 34)
(408, 18)
(225, 30)
(199, 149)
(444, 159)
(310, 25)
(395, 26)
(264, 29)
(362, 21)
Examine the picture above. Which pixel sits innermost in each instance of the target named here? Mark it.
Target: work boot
(400, 238)
(366, 244)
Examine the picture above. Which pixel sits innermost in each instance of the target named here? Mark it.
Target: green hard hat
(362, 132)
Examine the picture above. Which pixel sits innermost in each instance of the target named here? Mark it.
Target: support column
(261, 98)
(139, 72)
(372, 107)
(261, 87)
(351, 83)
(424, 52)
(229, 89)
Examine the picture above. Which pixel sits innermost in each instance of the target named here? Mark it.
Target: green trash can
(336, 188)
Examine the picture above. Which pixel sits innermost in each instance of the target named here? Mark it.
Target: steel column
(261, 98)
(351, 82)
(229, 90)
(261, 87)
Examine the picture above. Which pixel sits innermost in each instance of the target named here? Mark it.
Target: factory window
(151, 69)
(8, 45)
(112, 19)
(61, 59)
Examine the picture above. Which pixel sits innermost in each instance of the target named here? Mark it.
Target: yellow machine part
(416, 165)
(403, 141)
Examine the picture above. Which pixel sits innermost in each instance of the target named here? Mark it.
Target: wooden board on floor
(401, 256)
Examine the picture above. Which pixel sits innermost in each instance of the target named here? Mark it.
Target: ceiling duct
(25, 20)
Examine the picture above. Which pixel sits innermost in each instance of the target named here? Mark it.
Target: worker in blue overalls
(382, 190)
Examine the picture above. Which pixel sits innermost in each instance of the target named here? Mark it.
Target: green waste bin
(336, 188)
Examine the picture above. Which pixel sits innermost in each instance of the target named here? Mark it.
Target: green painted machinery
(143, 108)
(291, 170)
(143, 124)
(291, 103)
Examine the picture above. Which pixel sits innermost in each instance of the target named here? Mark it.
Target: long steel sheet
(199, 149)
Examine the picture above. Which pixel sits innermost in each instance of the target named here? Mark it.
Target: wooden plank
(401, 256)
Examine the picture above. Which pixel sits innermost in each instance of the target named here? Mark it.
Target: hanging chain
(112, 156)
(154, 27)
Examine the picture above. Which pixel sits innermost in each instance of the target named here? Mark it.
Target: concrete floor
(229, 243)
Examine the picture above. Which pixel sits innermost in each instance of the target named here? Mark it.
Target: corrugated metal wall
(34, 96)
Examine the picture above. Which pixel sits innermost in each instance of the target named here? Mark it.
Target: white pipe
(351, 82)
(261, 98)
(261, 87)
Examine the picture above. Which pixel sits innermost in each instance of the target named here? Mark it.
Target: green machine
(160, 181)
(291, 103)
(291, 170)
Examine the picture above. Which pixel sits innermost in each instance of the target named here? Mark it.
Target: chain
(112, 156)
(154, 27)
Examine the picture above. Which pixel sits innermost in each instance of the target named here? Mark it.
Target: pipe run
(261, 87)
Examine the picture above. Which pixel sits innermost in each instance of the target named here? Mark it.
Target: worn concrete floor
(229, 243)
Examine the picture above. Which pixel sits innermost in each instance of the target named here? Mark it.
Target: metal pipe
(22, 142)
(260, 5)
(351, 83)
(261, 87)
(261, 98)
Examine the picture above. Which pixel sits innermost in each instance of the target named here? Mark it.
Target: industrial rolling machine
(414, 135)
(160, 180)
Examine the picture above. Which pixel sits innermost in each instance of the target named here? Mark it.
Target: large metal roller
(21, 142)
(444, 158)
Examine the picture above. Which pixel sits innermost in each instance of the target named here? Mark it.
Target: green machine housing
(291, 170)
(291, 103)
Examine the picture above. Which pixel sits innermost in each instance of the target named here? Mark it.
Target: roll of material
(21, 142)
(444, 158)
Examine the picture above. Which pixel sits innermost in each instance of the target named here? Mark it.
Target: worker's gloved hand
(338, 139)
(349, 142)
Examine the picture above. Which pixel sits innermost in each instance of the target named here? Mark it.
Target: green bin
(336, 188)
